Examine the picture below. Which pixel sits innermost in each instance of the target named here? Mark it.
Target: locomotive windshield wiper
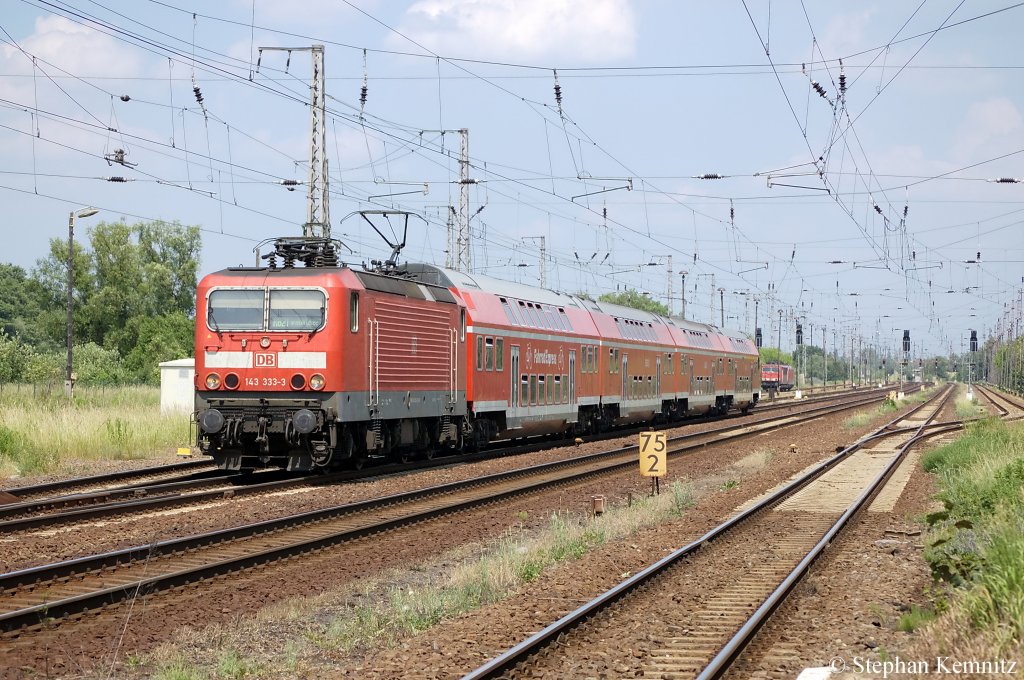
(323, 317)
(213, 320)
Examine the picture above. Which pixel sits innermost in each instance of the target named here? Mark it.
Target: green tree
(14, 358)
(132, 272)
(21, 303)
(161, 338)
(636, 300)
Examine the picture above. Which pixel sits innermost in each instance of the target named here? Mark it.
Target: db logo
(267, 359)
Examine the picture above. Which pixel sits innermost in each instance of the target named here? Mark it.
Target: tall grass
(977, 542)
(40, 431)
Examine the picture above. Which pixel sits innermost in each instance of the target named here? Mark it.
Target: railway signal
(757, 337)
(974, 341)
(799, 334)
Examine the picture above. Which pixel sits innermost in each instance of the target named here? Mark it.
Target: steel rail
(507, 660)
(49, 487)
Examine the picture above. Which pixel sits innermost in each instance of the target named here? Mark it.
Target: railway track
(40, 597)
(692, 613)
(1008, 407)
(212, 485)
(111, 480)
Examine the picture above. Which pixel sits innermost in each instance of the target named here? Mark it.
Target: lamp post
(682, 314)
(69, 383)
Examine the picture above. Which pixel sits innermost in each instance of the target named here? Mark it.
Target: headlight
(298, 381)
(316, 381)
(212, 381)
(231, 381)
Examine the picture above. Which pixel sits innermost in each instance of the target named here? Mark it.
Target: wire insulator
(710, 175)
(362, 95)
(906, 209)
(878, 209)
(818, 88)
(1007, 180)
(558, 92)
(116, 179)
(125, 98)
(198, 94)
(842, 83)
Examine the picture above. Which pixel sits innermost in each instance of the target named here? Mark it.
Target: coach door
(657, 376)
(625, 376)
(514, 376)
(572, 377)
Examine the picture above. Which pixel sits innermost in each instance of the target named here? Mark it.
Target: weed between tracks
(41, 431)
(383, 614)
(887, 407)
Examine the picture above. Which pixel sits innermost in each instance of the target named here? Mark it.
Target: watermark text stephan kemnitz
(937, 665)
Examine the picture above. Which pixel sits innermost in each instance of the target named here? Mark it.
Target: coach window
(565, 390)
(499, 354)
(533, 390)
(549, 315)
(550, 390)
(462, 325)
(479, 353)
(353, 311)
(489, 354)
(524, 382)
(522, 313)
(558, 390)
(508, 311)
(565, 319)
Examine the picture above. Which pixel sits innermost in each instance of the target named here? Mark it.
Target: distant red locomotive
(776, 376)
(318, 365)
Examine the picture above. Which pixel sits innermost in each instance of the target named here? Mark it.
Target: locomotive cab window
(296, 310)
(235, 309)
(353, 311)
(462, 325)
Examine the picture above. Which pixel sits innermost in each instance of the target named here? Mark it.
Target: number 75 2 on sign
(653, 454)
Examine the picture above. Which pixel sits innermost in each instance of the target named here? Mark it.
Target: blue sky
(856, 212)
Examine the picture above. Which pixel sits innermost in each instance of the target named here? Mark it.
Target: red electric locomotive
(316, 365)
(776, 376)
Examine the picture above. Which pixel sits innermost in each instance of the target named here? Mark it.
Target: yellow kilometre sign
(653, 454)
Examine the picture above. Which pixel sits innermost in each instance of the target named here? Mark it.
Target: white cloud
(525, 30)
(846, 33)
(989, 126)
(74, 48)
